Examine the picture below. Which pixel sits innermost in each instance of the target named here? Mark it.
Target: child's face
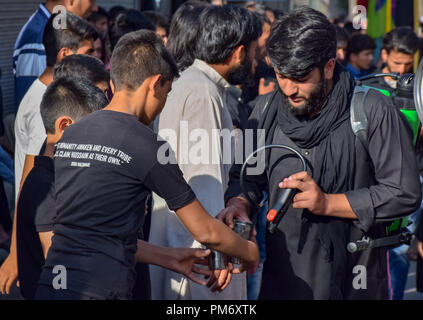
(363, 59)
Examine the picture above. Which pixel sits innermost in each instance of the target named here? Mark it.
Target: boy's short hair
(114, 12)
(76, 31)
(137, 56)
(74, 98)
(97, 16)
(128, 21)
(360, 42)
(82, 66)
(157, 19)
(401, 39)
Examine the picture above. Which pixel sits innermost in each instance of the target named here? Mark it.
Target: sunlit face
(341, 51)
(101, 26)
(305, 95)
(252, 54)
(363, 60)
(270, 15)
(97, 49)
(398, 62)
(163, 34)
(103, 86)
(299, 92)
(86, 47)
(82, 8)
(261, 45)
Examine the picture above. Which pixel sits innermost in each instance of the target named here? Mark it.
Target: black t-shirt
(36, 212)
(106, 164)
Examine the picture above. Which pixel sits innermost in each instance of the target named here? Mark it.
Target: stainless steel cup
(218, 261)
(245, 230)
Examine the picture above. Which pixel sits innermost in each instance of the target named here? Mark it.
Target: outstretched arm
(9, 268)
(216, 235)
(181, 260)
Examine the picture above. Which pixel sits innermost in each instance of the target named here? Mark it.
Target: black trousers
(48, 293)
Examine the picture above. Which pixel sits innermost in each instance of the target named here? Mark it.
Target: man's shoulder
(193, 80)
(378, 107)
(32, 99)
(32, 31)
(378, 100)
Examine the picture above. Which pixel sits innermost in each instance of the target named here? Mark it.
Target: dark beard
(240, 74)
(311, 104)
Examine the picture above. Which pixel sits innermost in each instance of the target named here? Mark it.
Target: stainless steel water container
(218, 260)
(245, 230)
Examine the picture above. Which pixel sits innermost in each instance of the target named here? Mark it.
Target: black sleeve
(168, 182)
(397, 192)
(46, 214)
(254, 184)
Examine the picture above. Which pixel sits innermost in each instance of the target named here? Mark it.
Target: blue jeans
(399, 263)
(398, 268)
(254, 280)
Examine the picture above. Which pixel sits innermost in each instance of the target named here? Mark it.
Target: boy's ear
(384, 55)
(62, 123)
(64, 52)
(156, 84)
(268, 61)
(112, 86)
(353, 57)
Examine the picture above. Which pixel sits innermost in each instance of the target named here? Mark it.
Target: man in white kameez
(194, 122)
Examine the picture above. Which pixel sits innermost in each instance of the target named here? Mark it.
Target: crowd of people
(117, 183)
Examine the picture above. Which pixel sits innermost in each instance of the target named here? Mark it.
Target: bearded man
(348, 190)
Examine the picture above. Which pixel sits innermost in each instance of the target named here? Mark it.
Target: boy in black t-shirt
(64, 103)
(105, 166)
(38, 206)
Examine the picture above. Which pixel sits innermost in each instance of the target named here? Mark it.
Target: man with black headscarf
(347, 191)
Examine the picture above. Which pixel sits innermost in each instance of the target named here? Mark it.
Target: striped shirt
(29, 57)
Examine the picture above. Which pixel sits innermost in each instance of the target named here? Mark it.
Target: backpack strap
(359, 121)
(359, 124)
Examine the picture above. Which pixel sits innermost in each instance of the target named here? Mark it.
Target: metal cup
(245, 230)
(218, 261)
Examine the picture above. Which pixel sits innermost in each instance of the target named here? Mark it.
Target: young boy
(64, 103)
(76, 38)
(105, 166)
(360, 53)
(86, 67)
